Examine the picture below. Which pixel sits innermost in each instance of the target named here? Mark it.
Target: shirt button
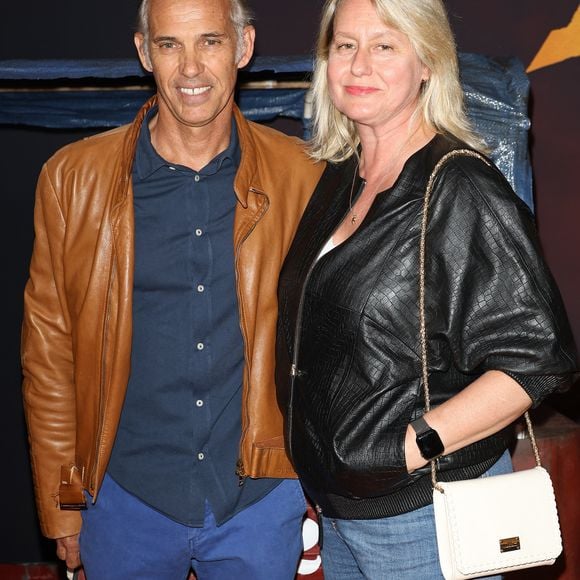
(200, 288)
(198, 232)
(200, 346)
(199, 403)
(196, 178)
(201, 456)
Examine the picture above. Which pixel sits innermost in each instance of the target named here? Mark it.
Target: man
(150, 319)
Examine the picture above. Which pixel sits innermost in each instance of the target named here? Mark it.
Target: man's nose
(191, 63)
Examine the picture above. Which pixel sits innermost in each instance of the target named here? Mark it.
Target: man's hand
(67, 549)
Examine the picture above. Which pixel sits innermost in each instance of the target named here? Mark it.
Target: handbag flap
(501, 521)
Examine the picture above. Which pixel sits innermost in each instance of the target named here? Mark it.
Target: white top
(327, 247)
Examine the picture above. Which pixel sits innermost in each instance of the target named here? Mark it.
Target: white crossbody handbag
(494, 524)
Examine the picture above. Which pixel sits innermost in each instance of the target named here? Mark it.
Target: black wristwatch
(428, 440)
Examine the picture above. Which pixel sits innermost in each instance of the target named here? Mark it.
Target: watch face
(430, 444)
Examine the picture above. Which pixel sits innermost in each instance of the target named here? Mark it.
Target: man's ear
(143, 51)
(248, 39)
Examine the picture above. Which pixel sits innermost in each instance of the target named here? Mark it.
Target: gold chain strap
(422, 318)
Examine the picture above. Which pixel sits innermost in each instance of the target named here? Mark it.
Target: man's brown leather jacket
(76, 342)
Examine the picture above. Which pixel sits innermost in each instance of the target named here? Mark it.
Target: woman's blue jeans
(396, 548)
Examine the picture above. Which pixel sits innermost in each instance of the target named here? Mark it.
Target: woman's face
(374, 74)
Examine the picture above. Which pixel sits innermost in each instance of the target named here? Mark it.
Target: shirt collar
(148, 161)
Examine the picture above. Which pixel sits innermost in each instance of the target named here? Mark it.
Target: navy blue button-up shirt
(178, 438)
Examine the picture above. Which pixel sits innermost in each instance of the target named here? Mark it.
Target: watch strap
(420, 426)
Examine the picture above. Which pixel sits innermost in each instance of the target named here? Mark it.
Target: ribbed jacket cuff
(538, 387)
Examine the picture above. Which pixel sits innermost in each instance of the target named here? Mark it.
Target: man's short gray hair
(240, 15)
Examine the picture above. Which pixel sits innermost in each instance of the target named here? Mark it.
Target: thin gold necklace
(353, 215)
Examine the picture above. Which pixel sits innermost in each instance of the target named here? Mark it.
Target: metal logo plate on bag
(509, 544)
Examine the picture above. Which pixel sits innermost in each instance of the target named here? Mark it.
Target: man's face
(192, 53)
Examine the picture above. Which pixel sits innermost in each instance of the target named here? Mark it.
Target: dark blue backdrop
(496, 92)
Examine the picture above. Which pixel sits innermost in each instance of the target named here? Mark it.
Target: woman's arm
(486, 406)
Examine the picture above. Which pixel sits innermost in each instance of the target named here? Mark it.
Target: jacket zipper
(240, 468)
(101, 414)
(294, 370)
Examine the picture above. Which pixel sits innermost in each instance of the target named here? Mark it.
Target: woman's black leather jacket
(348, 370)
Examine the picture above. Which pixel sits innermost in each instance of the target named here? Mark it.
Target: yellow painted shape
(561, 44)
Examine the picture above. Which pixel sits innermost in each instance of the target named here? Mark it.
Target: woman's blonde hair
(425, 23)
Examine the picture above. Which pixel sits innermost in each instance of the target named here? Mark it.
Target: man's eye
(345, 46)
(167, 45)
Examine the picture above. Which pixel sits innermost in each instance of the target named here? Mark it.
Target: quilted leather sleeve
(496, 305)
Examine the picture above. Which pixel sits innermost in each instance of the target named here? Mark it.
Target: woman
(388, 106)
